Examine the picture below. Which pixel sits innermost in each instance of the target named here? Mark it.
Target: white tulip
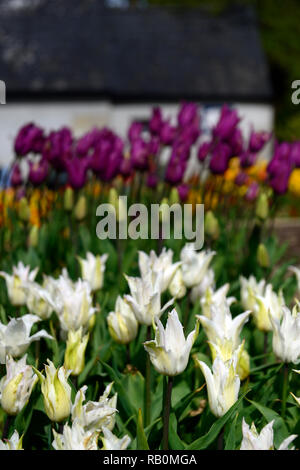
(294, 396)
(145, 298)
(75, 437)
(16, 282)
(223, 383)
(92, 415)
(177, 288)
(208, 282)
(122, 323)
(250, 288)
(170, 351)
(296, 271)
(286, 335)
(111, 442)
(252, 440)
(15, 336)
(194, 264)
(16, 386)
(14, 443)
(39, 301)
(217, 298)
(92, 270)
(162, 263)
(267, 304)
(73, 304)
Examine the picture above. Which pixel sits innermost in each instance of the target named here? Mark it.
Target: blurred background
(86, 63)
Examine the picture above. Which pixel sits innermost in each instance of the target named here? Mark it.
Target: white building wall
(83, 116)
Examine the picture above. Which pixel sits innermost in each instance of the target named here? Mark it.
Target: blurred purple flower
(126, 167)
(204, 150)
(30, 138)
(241, 179)
(257, 140)
(38, 172)
(235, 141)
(135, 131)
(139, 154)
(88, 141)
(77, 169)
(226, 124)
(183, 191)
(156, 121)
(168, 133)
(220, 158)
(152, 180)
(175, 169)
(58, 147)
(295, 154)
(16, 178)
(188, 114)
(252, 192)
(247, 159)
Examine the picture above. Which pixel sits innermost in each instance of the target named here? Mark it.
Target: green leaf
(142, 443)
(204, 441)
(174, 440)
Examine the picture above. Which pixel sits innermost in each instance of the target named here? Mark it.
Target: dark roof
(79, 47)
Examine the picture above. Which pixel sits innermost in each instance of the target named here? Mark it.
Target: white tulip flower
(16, 282)
(296, 271)
(74, 306)
(39, 301)
(92, 270)
(177, 288)
(194, 264)
(75, 437)
(170, 351)
(250, 288)
(294, 396)
(267, 304)
(111, 442)
(162, 263)
(16, 386)
(217, 298)
(15, 336)
(93, 415)
(122, 324)
(207, 283)
(223, 383)
(252, 440)
(14, 443)
(145, 298)
(286, 335)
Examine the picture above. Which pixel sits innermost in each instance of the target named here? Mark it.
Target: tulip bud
(243, 366)
(69, 199)
(263, 256)
(211, 225)
(262, 206)
(56, 392)
(164, 211)
(80, 208)
(177, 288)
(118, 204)
(24, 211)
(92, 322)
(17, 385)
(75, 350)
(33, 238)
(122, 323)
(174, 196)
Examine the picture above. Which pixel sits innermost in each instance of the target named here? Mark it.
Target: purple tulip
(135, 131)
(183, 191)
(236, 142)
(168, 133)
(152, 180)
(16, 178)
(241, 179)
(156, 121)
(295, 154)
(112, 167)
(187, 114)
(204, 150)
(88, 142)
(58, 147)
(154, 146)
(30, 138)
(126, 167)
(247, 159)
(282, 156)
(252, 192)
(227, 123)
(38, 172)
(139, 154)
(279, 179)
(258, 140)
(77, 169)
(220, 158)
(175, 170)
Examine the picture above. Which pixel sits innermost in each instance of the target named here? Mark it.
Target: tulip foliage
(114, 344)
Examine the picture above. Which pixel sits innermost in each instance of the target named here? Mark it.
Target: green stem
(148, 384)
(265, 360)
(166, 415)
(284, 389)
